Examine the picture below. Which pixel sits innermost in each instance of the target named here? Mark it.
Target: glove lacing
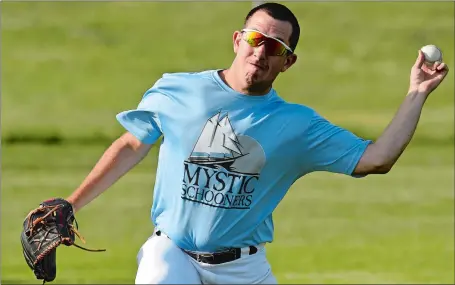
(72, 229)
(75, 230)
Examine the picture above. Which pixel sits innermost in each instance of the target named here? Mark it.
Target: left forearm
(380, 156)
(393, 141)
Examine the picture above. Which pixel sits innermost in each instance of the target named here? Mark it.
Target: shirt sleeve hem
(357, 158)
(147, 136)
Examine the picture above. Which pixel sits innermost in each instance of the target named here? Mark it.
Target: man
(232, 148)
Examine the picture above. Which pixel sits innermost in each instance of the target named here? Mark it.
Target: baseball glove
(44, 229)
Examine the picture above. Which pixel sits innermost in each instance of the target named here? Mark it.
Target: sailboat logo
(218, 145)
(223, 169)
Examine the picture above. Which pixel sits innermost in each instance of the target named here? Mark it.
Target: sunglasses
(273, 46)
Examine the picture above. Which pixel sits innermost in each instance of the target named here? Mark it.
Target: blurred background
(69, 67)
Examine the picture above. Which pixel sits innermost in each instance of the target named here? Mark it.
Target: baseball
(432, 53)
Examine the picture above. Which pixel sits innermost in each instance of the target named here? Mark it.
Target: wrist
(72, 203)
(416, 97)
(415, 92)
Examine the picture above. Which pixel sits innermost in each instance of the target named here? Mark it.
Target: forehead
(263, 22)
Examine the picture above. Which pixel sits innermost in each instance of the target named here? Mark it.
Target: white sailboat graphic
(217, 144)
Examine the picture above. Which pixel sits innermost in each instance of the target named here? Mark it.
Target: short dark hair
(282, 13)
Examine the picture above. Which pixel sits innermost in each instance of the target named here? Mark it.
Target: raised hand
(424, 79)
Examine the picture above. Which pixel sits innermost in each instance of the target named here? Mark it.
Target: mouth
(259, 66)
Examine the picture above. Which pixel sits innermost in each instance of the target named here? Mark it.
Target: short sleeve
(144, 121)
(331, 148)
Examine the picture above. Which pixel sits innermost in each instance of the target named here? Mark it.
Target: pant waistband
(217, 257)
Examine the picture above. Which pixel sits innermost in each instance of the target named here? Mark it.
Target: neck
(237, 83)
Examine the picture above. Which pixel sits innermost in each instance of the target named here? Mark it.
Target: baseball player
(231, 150)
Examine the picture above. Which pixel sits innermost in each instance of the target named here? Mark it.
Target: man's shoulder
(173, 83)
(295, 109)
(187, 75)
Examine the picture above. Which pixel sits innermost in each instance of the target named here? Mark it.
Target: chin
(257, 85)
(252, 79)
(256, 76)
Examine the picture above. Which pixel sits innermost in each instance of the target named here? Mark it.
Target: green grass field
(69, 68)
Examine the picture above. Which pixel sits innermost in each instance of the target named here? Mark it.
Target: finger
(440, 75)
(435, 65)
(428, 68)
(420, 60)
(440, 66)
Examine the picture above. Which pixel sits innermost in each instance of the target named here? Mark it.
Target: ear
(290, 60)
(236, 38)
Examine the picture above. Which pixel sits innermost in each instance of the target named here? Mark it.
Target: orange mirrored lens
(272, 46)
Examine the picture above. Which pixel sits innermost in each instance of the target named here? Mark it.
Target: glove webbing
(52, 246)
(72, 228)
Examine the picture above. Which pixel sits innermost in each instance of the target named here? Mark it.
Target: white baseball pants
(160, 261)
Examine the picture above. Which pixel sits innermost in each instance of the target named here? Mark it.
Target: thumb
(420, 60)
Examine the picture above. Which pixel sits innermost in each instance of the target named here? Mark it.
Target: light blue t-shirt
(228, 159)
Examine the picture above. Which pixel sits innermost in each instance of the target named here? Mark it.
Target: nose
(260, 51)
